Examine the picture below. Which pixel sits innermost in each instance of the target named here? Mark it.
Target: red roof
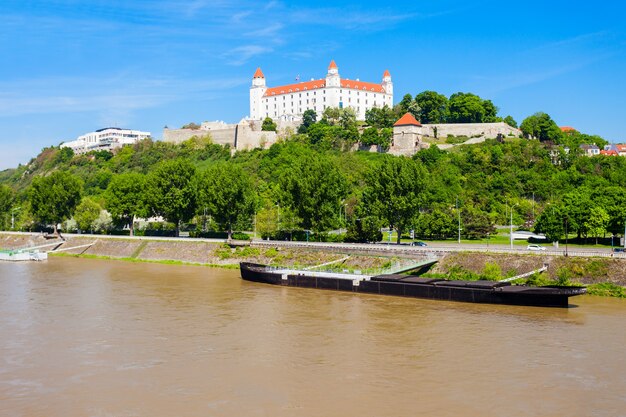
(294, 88)
(258, 73)
(620, 147)
(407, 120)
(332, 64)
(386, 74)
(312, 85)
(567, 129)
(609, 152)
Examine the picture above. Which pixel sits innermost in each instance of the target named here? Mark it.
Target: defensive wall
(486, 130)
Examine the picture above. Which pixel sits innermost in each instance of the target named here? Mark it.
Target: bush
(240, 236)
(607, 289)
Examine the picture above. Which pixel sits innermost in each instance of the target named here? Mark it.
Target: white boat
(23, 255)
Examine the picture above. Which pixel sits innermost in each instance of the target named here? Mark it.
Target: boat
(482, 291)
(23, 255)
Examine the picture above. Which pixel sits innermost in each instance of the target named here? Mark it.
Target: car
(618, 250)
(418, 243)
(535, 247)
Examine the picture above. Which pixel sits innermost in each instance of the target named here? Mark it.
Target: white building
(289, 102)
(105, 139)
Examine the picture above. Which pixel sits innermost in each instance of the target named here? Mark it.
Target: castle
(289, 102)
(286, 105)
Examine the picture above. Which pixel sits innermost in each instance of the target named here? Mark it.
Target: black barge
(491, 292)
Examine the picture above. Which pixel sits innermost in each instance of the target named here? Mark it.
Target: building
(289, 102)
(590, 150)
(407, 136)
(105, 139)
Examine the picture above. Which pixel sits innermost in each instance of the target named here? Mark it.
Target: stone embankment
(587, 270)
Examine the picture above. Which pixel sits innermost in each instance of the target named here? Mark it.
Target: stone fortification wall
(487, 130)
(245, 135)
(180, 135)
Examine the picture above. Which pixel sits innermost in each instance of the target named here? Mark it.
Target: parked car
(418, 243)
(535, 247)
(617, 250)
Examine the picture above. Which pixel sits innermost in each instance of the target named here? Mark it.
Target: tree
(308, 118)
(541, 126)
(54, 198)
(315, 188)
(468, 108)
(171, 191)
(381, 117)
(550, 223)
(268, 125)
(394, 190)
(86, 214)
(227, 192)
(476, 224)
(191, 125)
(6, 202)
(433, 107)
(509, 120)
(364, 230)
(597, 222)
(125, 198)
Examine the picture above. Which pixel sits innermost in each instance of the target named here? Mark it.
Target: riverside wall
(215, 252)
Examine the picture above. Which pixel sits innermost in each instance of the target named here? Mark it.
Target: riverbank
(594, 271)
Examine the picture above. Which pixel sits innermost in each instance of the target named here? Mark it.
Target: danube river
(83, 337)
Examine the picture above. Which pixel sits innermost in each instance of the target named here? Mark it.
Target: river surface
(82, 337)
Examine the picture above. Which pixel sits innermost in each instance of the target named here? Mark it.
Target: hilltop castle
(289, 102)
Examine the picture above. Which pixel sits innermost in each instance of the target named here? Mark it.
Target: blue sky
(73, 66)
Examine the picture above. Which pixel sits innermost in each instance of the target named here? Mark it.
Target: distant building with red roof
(568, 129)
(407, 136)
(289, 102)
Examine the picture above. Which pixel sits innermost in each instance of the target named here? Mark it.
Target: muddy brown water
(83, 337)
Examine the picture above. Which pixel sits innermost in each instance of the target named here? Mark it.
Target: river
(81, 337)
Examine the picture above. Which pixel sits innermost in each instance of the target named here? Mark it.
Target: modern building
(289, 102)
(105, 139)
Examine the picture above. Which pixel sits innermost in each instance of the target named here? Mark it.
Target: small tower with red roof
(387, 84)
(257, 90)
(407, 136)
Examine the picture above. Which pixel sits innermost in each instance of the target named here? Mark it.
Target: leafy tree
(550, 222)
(596, 222)
(433, 107)
(191, 125)
(476, 223)
(86, 214)
(466, 108)
(125, 198)
(437, 224)
(228, 194)
(364, 230)
(381, 117)
(394, 190)
(267, 221)
(54, 198)
(268, 125)
(315, 188)
(6, 202)
(171, 191)
(541, 126)
(509, 120)
(308, 118)
(370, 137)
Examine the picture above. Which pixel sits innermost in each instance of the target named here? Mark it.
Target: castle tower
(387, 84)
(333, 82)
(406, 136)
(257, 90)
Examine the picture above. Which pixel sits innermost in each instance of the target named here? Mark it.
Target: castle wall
(487, 130)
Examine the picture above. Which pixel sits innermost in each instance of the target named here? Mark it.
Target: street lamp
(458, 211)
(13, 210)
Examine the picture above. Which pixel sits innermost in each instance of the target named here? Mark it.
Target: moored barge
(491, 292)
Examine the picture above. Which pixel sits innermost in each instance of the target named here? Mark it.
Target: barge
(491, 292)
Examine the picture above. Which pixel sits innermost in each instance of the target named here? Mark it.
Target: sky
(69, 67)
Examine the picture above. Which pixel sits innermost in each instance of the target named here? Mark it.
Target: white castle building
(289, 102)
(105, 139)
